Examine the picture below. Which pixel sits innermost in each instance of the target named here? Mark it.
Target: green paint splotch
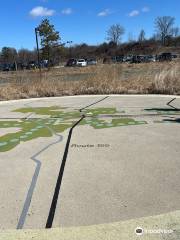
(100, 124)
(57, 120)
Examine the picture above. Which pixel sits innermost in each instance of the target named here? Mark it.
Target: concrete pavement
(159, 227)
(122, 162)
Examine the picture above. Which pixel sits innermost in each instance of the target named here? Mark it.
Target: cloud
(41, 12)
(104, 13)
(145, 9)
(67, 11)
(134, 13)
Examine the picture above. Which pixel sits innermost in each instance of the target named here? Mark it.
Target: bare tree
(25, 55)
(175, 31)
(141, 37)
(115, 33)
(164, 27)
(131, 37)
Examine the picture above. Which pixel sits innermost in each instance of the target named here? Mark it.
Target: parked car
(81, 63)
(1, 67)
(32, 65)
(6, 67)
(151, 58)
(71, 62)
(91, 61)
(165, 57)
(138, 59)
(117, 59)
(174, 56)
(127, 59)
(44, 64)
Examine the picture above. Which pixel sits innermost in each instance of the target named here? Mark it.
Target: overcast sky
(79, 20)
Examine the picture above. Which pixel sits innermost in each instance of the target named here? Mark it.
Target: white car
(81, 63)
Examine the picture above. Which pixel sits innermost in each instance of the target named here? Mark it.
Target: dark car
(32, 65)
(118, 59)
(174, 56)
(6, 67)
(165, 57)
(71, 62)
(138, 59)
(1, 67)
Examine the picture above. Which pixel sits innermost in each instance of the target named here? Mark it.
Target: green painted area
(98, 123)
(97, 111)
(40, 110)
(28, 130)
(59, 119)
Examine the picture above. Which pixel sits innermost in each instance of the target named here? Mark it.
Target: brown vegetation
(158, 78)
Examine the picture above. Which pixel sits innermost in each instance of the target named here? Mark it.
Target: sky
(80, 21)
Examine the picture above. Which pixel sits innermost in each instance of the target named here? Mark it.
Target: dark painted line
(59, 179)
(93, 103)
(170, 101)
(168, 104)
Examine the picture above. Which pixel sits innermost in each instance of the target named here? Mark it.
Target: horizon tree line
(52, 49)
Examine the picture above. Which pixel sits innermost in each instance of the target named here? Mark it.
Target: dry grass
(167, 81)
(157, 78)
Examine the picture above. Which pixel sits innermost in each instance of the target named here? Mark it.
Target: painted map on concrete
(47, 121)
